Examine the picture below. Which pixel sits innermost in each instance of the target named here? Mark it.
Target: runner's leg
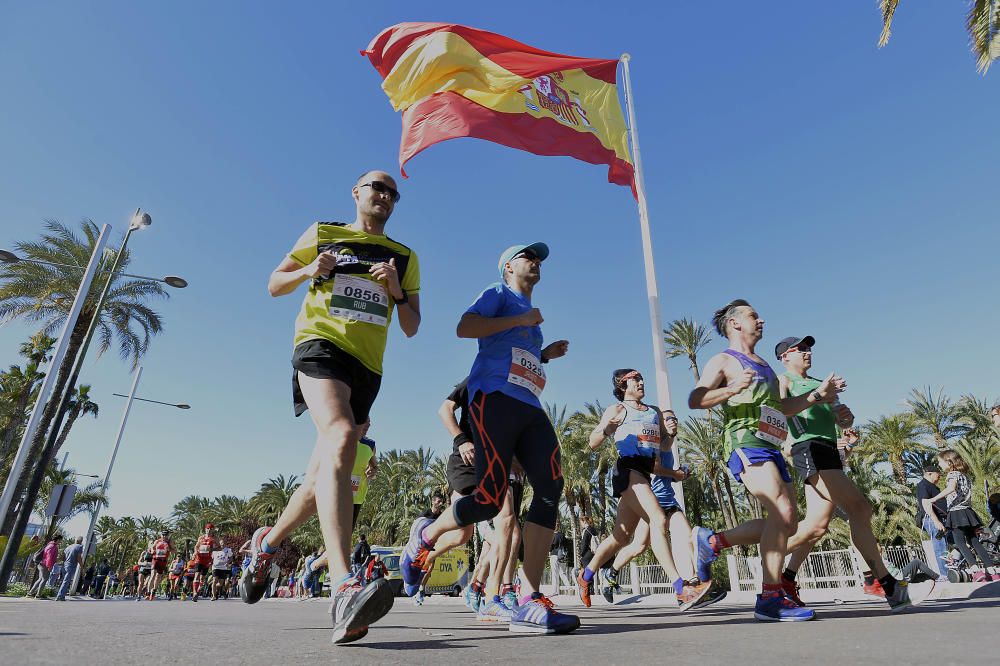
(680, 543)
(634, 548)
(819, 511)
(764, 482)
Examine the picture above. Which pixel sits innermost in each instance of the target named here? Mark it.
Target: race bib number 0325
(526, 371)
(359, 299)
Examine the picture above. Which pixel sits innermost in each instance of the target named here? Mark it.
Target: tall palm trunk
(717, 492)
(898, 469)
(732, 501)
(694, 367)
(51, 407)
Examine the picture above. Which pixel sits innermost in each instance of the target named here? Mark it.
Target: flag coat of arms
(454, 81)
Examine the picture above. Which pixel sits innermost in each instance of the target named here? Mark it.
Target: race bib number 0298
(359, 299)
(773, 427)
(526, 371)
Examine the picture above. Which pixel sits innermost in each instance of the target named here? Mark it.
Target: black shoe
(355, 607)
(608, 595)
(714, 595)
(256, 576)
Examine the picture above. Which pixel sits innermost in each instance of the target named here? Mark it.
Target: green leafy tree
(686, 337)
(937, 415)
(891, 439)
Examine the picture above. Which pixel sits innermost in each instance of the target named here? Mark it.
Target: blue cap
(540, 250)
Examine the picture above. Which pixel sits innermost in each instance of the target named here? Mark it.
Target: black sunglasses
(382, 188)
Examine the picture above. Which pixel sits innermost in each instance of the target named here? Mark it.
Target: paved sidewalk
(444, 632)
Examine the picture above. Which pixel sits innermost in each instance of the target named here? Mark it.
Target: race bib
(355, 483)
(161, 553)
(649, 436)
(526, 371)
(359, 299)
(773, 427)
(204, 549)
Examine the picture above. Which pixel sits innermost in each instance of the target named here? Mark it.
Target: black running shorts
(623, 469)
(221, 574)
(321, 359)
(461, 477)
(813, 455)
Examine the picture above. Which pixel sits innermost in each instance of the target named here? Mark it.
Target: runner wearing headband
(636, 429)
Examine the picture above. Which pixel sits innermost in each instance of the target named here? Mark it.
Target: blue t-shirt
(663, 486)
(510, 361)
(71, 554)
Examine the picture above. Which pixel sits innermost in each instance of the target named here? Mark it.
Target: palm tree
(87, 499)
(702, 438)
(272, 498)
(890, 439)
(599, 463)
(80, 404)
(686, 337)
(44, 294)
(982, 22)
(20, 386)
(937, 415)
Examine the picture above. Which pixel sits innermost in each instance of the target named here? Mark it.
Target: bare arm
(610, 420)
(929, 511)
(825, 392)
(949, 488)
(446, 412)
(409, 315)
(716, 386)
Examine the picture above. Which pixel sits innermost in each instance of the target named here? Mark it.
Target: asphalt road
(444, 632)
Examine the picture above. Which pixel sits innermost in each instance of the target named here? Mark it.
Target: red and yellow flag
(452, 81)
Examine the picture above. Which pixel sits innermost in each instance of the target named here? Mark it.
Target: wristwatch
(816, 396)
(404, 299)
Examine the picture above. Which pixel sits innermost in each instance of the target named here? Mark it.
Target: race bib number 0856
(359, 299)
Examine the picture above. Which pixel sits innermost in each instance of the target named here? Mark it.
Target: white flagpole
(652, 292)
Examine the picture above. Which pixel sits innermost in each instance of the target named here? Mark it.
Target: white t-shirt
(222, 559)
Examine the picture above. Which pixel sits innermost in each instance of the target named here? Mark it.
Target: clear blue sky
(848, 192)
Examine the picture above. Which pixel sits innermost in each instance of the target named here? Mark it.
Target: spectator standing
(931, 515)
(73, 557)
(962, 521)
(103, 569)
(88, 580)
(45, 563)
(361, 553)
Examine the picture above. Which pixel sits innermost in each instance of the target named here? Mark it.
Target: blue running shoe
(510, 600)
(472, 598)
(415, 554)
(539, 616)
(780, 608)
(704, 552)
(493, 611)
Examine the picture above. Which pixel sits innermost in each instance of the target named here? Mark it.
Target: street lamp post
(139, 221)
(114, 452)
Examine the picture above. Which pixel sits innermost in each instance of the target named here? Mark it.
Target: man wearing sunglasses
(813, 435)
(357, 278)
(507, 419)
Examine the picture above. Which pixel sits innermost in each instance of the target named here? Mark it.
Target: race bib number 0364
(773, 427)
(526, 371)
(359, 299)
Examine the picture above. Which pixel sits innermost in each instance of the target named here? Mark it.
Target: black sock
(789, 575)
(888, 584)
(614, 572)
(869, 577)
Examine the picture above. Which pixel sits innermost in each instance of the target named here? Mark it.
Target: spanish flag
(452, 81)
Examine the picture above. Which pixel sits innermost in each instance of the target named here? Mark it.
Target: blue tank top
(663, 486)
(639, 433)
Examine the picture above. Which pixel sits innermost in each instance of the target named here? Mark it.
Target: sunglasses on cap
(382, 188)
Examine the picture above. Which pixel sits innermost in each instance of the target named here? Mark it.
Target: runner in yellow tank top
(358, 278)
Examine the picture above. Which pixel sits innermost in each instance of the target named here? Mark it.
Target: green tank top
(359, 482)
(752, 418)
(816, 422)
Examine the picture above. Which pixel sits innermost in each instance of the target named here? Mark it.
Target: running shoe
(874, 590)
(355, 607)
(539, 616)
(980, 576)
(610, 577)
(908, 594)
(994, 577)
(692, 593)
(418, 598)
(583, 589)
(704, 553)
(494, 611)
(509, 599)
(714, 595)
(256, 575)
(791, 590)
(415, 553)
(779, 608)
(472, 598)
(608, 594)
